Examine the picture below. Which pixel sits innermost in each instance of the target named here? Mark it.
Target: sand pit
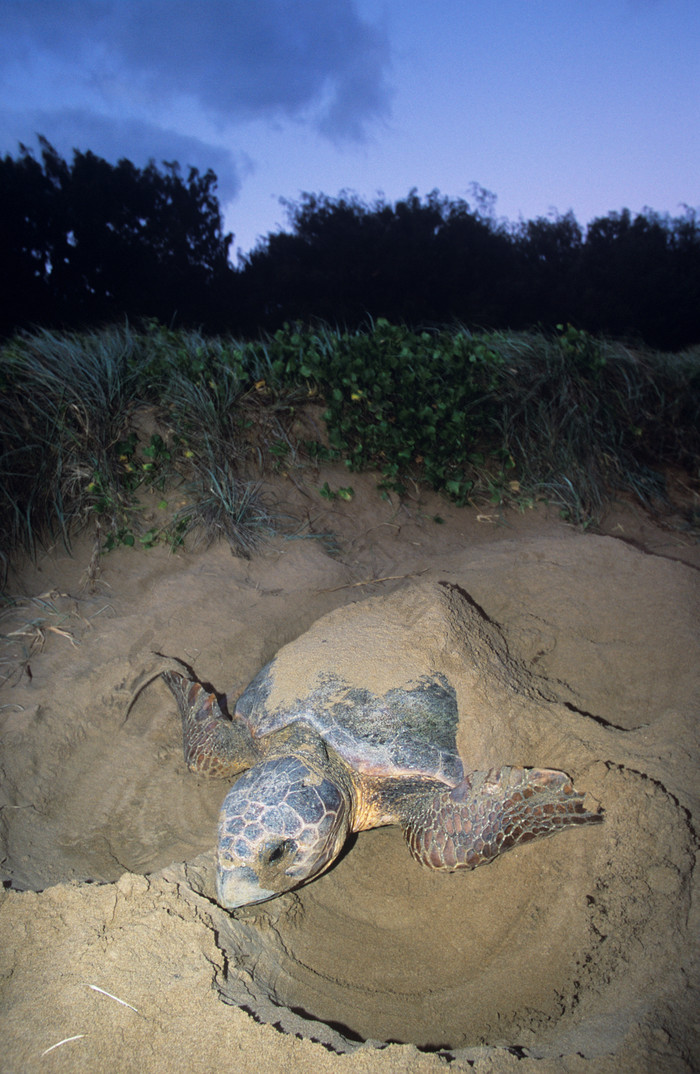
(577, 953)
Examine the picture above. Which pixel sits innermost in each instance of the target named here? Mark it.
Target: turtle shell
(374, 681)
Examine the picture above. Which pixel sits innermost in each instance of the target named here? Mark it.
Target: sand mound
(578, 953)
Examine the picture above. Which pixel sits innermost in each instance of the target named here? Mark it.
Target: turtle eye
(279, 851)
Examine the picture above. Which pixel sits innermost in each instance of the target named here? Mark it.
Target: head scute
(283, 823)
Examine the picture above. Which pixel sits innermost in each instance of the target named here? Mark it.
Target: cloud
(314, 60)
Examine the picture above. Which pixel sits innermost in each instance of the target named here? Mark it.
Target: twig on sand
(373, 581)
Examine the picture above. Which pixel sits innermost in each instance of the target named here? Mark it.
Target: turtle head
(282, 823)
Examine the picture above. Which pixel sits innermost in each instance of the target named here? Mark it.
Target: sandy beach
(574, 954)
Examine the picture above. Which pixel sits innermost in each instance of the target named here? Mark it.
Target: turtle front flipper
(213, 744)
(488, 813)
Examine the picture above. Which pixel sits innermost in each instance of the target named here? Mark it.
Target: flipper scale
(489, 813)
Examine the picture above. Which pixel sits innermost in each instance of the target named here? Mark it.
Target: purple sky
(590, 105)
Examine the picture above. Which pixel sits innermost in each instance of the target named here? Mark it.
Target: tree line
(86, 241)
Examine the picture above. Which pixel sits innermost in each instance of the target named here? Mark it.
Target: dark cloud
(237, 59)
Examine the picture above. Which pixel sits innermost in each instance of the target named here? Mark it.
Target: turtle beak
(239, 886)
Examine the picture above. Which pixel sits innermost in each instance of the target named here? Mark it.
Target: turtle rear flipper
(213, 744)
(490, 812)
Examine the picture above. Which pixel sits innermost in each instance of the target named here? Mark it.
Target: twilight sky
(590, 105)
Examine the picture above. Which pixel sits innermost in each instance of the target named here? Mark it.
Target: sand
(578, 953)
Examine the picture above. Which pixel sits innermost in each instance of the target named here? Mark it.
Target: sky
(551, 105)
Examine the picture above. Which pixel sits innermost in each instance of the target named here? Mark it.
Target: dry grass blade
(28, 634)
(102, 991)
(66, 1040)
(64, 634)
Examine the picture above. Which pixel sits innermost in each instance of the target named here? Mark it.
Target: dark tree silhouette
(27, 235)
(91, 240)
(437, 259)
(344, 260)
(640, 277)
(548, 262)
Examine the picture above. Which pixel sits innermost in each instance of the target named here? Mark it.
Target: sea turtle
(355, 725)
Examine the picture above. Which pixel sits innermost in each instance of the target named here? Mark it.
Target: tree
(29, 234)
(548, 266)
(93, 240)
(415, 261)
(640, 277)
